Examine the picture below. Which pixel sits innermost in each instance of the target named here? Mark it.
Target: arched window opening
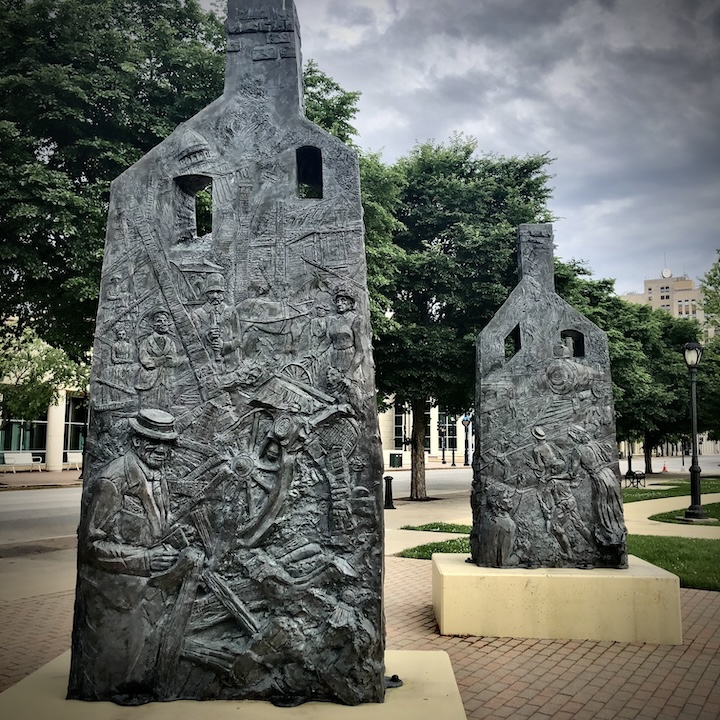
(309, 172)
(195, 211)
(574, 341)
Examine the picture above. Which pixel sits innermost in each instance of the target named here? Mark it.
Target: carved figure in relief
(595, 460)
(565, 514)
(218, 324)
(342, 330)
(115, 382)
(116, 293)
(546, 462)
(499, 528)
(342, 389)
(317, 336)
(121, 356)
(158, 357)
(129, 539)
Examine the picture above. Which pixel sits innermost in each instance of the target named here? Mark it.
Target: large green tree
(32, 374)
(708, 389)
(329, 105)
(458, 213)
(86, 88)
(710, 286)
(647, 365)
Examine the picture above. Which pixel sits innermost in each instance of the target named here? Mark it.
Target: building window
(452, 433)
(427, 427)
(23, 435)
(76, 416)
(399, 432)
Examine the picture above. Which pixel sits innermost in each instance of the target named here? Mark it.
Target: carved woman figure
(596, 460)
(342, 332)
(121, 357)
(158, 358)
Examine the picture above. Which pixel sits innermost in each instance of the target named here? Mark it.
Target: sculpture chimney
(263, 48)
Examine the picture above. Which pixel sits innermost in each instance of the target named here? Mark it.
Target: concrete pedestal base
(640, 604)
(429, 690)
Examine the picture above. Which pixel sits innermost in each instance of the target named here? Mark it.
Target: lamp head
(693, 353)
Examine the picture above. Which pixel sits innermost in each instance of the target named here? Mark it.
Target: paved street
(497, 677)
(30, 515)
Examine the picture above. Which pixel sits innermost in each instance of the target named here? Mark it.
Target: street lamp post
(693, 354)
(466, 425)
(441, 433)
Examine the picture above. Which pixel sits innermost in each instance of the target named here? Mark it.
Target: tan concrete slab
(429, 691)
(638, 604)
(452, 508)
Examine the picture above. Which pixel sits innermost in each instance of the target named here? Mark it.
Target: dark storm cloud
(351, 14)
(625, 94)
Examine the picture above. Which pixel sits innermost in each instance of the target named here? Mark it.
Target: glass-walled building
(51, 437)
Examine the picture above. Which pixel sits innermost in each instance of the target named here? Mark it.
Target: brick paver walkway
(497, 677)
(33, 631)
(565, 679)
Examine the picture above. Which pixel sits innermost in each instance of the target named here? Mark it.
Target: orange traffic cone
(664, 467)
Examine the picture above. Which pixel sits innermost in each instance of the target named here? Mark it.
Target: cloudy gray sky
(625, 94)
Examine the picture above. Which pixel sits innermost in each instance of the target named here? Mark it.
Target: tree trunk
(647, 451)
(418, 490)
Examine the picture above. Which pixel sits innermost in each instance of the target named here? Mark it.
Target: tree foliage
(87, 87)
(457, 216)
(327, 104)
(710, 286)
(646, 358)
(708, 389)
(32, 374)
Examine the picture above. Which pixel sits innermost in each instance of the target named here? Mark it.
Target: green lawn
(672, 488)
(713, 511)
(440, 527)
(694, 561)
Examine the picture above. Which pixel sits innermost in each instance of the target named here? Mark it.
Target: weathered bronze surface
(546, 487)
(230, 544)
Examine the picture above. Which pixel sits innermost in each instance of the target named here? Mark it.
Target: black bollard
(388, 493)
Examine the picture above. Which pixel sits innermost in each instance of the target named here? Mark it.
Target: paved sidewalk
(43, 479)
(497, 677)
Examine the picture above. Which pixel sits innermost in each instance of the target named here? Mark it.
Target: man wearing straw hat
(128, 551)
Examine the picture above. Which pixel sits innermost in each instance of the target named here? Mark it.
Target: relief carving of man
(158, 358)
(547, 462)
(123, 591)
(218, 324)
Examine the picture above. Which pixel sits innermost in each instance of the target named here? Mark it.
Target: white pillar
(55, 434)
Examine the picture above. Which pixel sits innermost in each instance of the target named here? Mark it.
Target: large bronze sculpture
(546, 487)
(230, 543)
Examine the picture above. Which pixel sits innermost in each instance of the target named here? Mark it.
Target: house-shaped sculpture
(230, 543)
(546, 484)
